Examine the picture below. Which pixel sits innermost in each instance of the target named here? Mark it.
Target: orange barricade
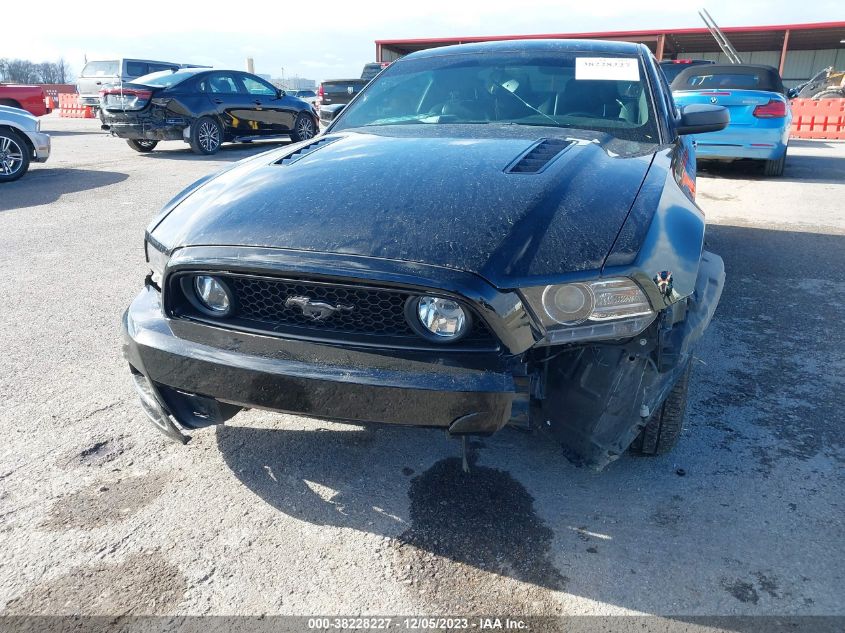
(824, 118)
(72, 109)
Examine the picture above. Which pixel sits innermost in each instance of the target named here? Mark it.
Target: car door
(231, 102)
(271, 113)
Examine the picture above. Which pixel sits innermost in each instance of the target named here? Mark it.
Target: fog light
(213, 295)
(440, 318)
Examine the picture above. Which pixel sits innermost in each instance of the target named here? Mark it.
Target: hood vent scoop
(538, 157)
(303, 151)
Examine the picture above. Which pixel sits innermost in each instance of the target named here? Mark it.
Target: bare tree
(47, 73)
(20, 71)
(23, 71)
(62, 71)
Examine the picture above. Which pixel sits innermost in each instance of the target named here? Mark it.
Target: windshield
(164, 78)
(581, 90)
(100, 69)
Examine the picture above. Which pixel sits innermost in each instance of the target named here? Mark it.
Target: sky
(333, 39)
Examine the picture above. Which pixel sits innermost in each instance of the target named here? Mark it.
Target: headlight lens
(603, 309)
(212, 294)
(438, 318)
(568, 304)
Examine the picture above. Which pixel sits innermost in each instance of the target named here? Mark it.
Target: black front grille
(377, 315)
(373, 311)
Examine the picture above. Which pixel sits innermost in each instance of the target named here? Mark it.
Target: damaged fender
(599, 397)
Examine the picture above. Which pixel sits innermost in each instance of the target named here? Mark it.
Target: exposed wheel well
(10, 102)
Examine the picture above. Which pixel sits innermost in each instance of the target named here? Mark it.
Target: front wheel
(14, 155)
(303, 128)
(775, 167)
(206, 136)
(141, 145)
(663, 428)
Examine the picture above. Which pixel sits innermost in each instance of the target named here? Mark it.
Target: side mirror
(280, 93)
(329, 113)
(698, 118)
(791, 93)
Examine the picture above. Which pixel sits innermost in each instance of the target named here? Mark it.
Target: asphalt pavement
(278, 514)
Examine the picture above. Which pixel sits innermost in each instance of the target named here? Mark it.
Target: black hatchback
(204, 108)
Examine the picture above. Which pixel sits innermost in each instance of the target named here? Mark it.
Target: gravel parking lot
(285, 515)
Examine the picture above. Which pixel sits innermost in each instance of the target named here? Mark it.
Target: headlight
(213, 295)
(156, 257)
(604, 309)
(568, 304)
(437, 318)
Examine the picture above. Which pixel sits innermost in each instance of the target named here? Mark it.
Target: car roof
(771, 78)
(685, 62)
(742, 69)
(536, 46)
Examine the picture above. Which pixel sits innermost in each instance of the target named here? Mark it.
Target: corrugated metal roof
(812, 36)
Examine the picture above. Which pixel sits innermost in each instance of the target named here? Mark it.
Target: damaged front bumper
(594, 398)
(176, 378)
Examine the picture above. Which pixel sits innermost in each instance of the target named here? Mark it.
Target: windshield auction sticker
(608, 68)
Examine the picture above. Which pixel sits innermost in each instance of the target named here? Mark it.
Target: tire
(773, 168)
(663, 428)
(141, 145)
(304, 128)
(830, 93)
(206, 136)
(14, 155)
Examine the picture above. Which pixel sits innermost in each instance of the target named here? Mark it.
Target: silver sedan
(21, 142)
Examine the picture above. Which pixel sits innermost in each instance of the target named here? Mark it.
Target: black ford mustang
(204, 108)
(488, 234)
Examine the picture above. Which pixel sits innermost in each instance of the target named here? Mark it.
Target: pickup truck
(338, 91)
(29, 98)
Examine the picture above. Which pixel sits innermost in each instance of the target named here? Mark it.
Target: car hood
(450, 201)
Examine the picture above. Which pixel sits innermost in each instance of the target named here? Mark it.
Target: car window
(220, 83)
(302, 94)
(136, 69)
(100, 69)
(155, 68)
(340, 86)
(586, 90)
(164, 79)
(706, 79)
(671, 108)
(256, 87)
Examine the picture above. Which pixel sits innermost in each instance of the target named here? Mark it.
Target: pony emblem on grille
(316, 310)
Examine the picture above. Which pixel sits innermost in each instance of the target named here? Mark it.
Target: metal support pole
(661, 42)
(783, 52)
